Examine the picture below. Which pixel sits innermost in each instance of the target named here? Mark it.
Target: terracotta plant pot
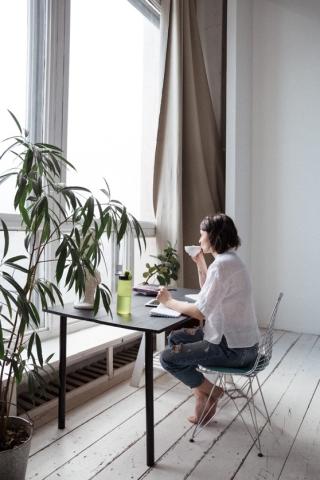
(13, 462)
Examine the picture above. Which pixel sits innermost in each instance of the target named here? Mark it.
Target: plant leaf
(16, 258)
(5, 176)
(16, 121)
(89, 208)
(13, 282)
(30, 344)
(47, 360)
(34, 314)
(21, 192)
(39, 349)
(1, 343)
(6, 238)
(58, 293)
(61, 263)
(123, 225)
(96, 301)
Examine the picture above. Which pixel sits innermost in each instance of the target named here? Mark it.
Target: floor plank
(87, 433)
(110, 447)
(286, 416)
(106, 437)
(190, 456)
(302, 463)
(173, 431)
(233, 448)
(49, 433)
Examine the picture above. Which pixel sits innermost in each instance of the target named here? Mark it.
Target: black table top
(139, 319)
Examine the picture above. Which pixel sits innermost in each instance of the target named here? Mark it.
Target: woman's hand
(202, 267)
(185, 308)
(164, 296)
(199, 259)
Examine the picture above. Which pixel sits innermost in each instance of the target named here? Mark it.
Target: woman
(230, 335)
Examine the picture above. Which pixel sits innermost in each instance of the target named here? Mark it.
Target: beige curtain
(189, 167)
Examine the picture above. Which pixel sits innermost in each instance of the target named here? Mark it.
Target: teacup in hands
(192, 250)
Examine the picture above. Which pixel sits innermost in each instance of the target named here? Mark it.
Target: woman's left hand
(164, 296)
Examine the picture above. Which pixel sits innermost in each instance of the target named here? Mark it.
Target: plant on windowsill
(69, 220)
(166, 269)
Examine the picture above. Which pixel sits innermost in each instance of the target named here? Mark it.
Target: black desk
(138, 320)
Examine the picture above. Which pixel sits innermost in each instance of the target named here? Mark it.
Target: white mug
(192, 250)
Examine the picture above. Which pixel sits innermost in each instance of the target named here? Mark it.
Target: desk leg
(149, 398)
(62, 372)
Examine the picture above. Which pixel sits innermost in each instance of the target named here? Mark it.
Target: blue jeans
(186, 350)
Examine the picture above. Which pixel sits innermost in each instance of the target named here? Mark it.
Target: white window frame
(149, 8)
(47, 109)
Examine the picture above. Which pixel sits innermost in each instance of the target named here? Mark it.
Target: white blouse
(226, 302)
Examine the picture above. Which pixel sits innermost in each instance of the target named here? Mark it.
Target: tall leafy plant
(72, 222)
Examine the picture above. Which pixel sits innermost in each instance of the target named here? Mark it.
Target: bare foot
(210, 406)
(201, 399)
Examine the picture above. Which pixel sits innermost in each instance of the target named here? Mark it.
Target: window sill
(83, 343)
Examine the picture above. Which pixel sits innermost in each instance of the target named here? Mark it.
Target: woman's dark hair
(222, 232)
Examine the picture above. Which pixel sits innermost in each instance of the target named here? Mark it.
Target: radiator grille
(76, 379)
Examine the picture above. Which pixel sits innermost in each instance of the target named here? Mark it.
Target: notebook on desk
(192, 296)
(162, 311)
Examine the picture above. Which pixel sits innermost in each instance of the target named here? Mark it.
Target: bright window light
(13, 81)
(113, 101)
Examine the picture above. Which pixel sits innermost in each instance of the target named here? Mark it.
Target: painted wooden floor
(104, 438)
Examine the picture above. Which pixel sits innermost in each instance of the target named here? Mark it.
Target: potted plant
(71, 221)
(166, 269)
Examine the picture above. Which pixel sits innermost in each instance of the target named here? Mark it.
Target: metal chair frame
(246, 390)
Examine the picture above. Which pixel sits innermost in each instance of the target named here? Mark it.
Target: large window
(113, 100)
(13, 78)
(84, 75)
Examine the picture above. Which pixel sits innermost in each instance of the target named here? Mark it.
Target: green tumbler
(124, 294)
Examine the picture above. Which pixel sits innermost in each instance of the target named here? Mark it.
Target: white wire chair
(246, 390)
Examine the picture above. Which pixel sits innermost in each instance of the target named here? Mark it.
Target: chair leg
(253, 411)
(248, 394)
(201, 423)
(241, 394)
(240, 411)
(263, 401)
(237, 391)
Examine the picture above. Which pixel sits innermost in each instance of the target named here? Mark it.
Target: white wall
(284, 110)
(239, 123)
